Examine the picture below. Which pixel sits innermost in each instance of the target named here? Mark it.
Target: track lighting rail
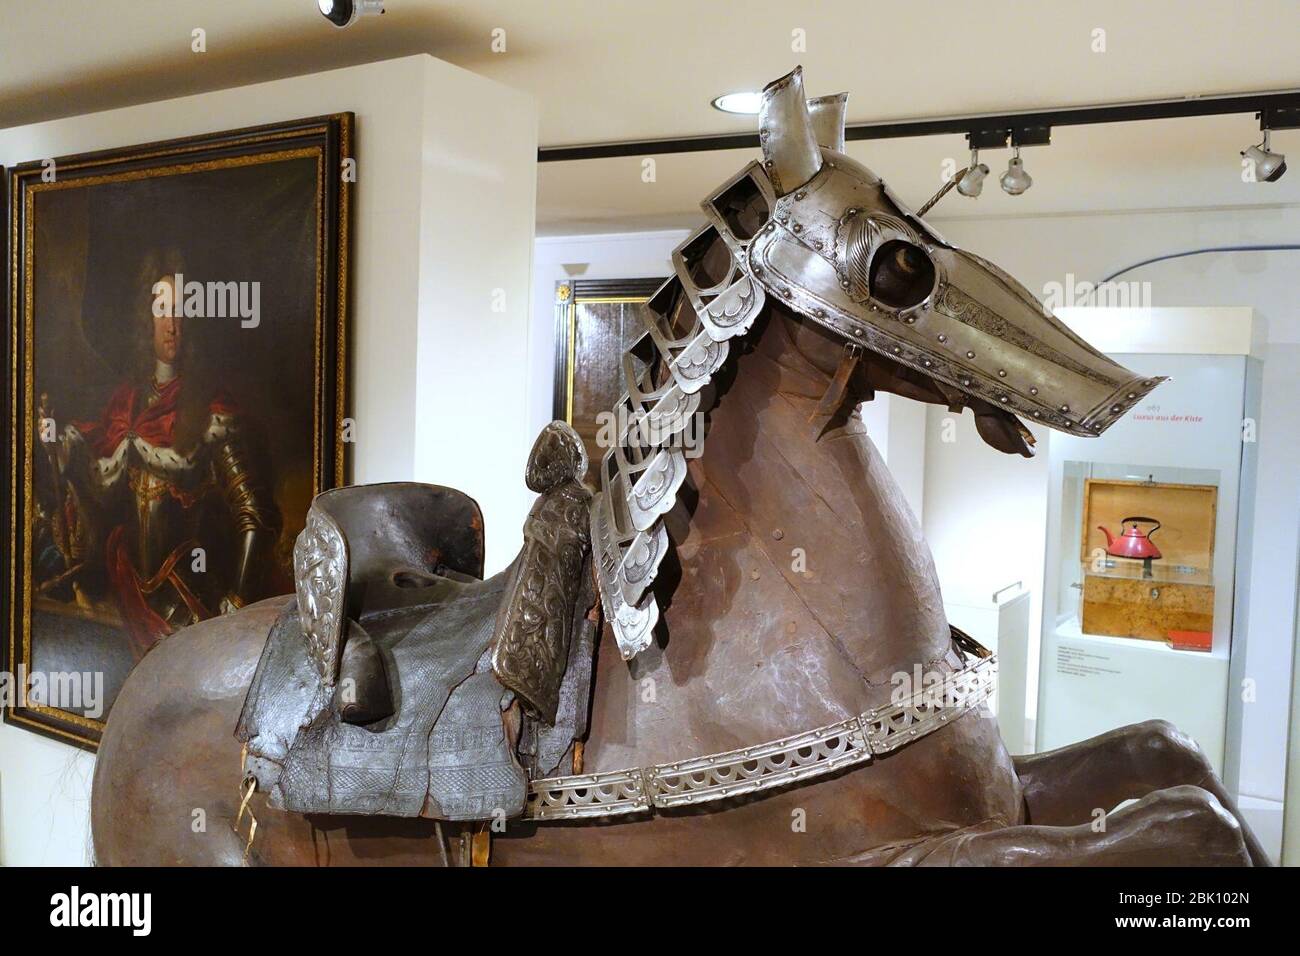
(1278, 110)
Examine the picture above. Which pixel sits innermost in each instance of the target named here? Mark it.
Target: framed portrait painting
(176, 366)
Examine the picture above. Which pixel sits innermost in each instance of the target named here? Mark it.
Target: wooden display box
(1119, 600)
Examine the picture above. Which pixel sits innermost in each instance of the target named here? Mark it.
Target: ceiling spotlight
(1015, 180)
(972, 184)
(748, 102)
(344, 13)
(1269, 166)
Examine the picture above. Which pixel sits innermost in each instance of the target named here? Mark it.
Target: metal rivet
(943, 338)
(1065, 408)
(858, 332)
(800, 194)
(1002, 373)
(927, 363)
(844, 283)
(1033, 390)
(1038, 414)
(1115, 408)
(970, 354)
(897, 350)
(797, 227)
(965, 381)
(1132, 395)
(819, 313)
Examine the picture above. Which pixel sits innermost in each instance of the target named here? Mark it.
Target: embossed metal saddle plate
(310, 760)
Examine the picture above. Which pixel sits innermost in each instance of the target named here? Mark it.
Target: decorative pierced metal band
(777, 763)
(895, 725)
(579, 796)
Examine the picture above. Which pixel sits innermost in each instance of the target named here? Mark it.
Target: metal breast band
(777, 763)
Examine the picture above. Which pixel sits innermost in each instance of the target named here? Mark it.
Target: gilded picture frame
(167, 431)
(596, 321)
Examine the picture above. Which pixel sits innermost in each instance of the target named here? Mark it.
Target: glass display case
(1147, 549)
(1144, 537)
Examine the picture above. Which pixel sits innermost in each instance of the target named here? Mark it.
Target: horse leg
(1180, 826)
(1067, 786)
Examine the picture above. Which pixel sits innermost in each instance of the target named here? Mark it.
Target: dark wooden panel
(596, 322)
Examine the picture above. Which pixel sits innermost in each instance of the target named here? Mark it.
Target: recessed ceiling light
(748, 102)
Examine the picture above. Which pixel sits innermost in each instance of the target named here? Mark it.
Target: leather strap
(834, 397)
(481, 846)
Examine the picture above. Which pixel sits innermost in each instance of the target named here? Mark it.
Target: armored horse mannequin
(706, 661)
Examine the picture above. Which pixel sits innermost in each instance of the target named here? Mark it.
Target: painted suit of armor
(145, 505)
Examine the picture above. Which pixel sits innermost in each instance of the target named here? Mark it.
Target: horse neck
(824, 509)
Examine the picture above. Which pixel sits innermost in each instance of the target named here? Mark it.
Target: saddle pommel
(557, 456)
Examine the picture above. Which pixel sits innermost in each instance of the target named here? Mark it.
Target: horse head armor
(810, 230)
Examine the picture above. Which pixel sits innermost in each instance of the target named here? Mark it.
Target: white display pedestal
(1002, 625)
(1091, 684)
(1189, 426)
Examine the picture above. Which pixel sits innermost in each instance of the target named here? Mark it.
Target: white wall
(476, 216)
(443, 216)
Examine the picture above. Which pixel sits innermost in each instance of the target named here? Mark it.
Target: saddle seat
(398, 682)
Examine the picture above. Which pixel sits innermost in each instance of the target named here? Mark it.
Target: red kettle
(1132, 542)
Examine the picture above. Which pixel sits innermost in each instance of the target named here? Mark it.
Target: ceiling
(608, 71)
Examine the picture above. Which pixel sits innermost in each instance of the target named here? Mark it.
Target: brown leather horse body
(797, 591)
(753, 651)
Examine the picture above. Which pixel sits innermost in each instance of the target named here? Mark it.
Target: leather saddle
(398, 682)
